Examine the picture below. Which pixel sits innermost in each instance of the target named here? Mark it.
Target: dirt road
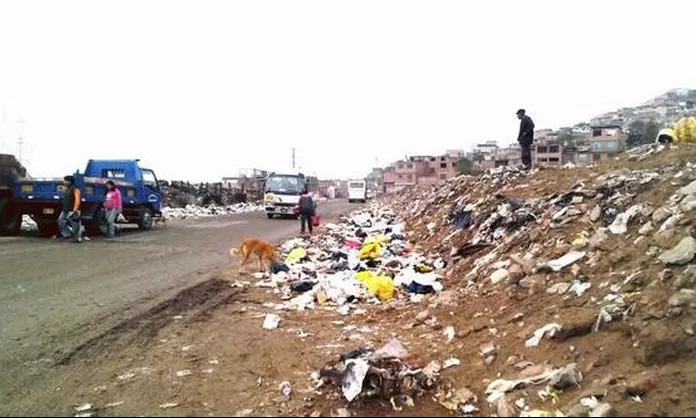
(58, 300)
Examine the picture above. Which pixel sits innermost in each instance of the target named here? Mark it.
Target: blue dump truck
(40, 198)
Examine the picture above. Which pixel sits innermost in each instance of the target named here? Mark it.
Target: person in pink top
(113, 206)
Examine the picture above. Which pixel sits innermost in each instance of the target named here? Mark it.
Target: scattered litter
(271, 321)
(285, 388)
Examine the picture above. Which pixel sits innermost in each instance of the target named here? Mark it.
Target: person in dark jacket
(525, 138)
(69, 219)
(306, 205)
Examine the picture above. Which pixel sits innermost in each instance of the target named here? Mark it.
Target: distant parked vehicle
(357, 191)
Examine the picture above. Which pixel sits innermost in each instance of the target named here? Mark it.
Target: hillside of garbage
(587, 270)
(557, 292)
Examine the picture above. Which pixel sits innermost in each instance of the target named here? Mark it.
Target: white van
(357, 191)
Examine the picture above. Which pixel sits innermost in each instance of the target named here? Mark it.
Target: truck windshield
(149, 179)
(356, 185)
(284, 184)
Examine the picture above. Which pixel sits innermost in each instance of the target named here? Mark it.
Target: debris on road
(194, 211)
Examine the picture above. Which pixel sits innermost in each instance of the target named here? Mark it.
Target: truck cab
(140, 190)
(282, 193)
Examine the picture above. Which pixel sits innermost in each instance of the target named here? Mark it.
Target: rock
(598, 239)
(499, 275)
(688, 203)
(647, 210)
(646, 228)
(533, 370)
(558, 288)
(489, 360)
(576, 200)
(603, 410)
(640, 385)
(577, 410)
(487, 349)
(341, 412)
(689, 189)
(512, 360)
(662, 342)
(687, 279)
(580, 323)
(665, 275)
(595, 213)
(661, 214)
(683, 297)
(504, 408)
(569, 376)
(681, 254)
(573, 212)
(422, 316)
(515, 274)
(664, 238)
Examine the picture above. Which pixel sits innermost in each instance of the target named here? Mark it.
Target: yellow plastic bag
(370, 250)
(377, 238)
(685, 129)
(423, 268)
(381, 286)
(296, 255)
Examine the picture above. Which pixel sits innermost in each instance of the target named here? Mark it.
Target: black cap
(521, 112)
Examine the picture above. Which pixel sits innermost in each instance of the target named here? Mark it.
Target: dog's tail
(234, 251)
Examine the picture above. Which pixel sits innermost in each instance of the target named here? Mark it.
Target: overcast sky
(200, 89)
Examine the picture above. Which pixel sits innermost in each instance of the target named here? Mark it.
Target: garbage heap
(575, 254)
(362, 260)
(194, 211)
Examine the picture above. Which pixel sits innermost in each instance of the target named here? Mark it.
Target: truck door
(154, 196)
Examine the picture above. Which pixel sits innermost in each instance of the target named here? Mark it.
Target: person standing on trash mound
(525, 138)
(307, 208)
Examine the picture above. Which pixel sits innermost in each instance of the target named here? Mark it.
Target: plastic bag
(381, 286)
(370, 250)
(296, 255)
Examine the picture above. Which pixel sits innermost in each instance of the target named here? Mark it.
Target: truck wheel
(145, 221)
(48, 229)
(10, 219)
(93, 228)
(269, 215)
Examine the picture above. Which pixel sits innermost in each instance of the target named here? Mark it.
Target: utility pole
(293, 158)
(20, 139)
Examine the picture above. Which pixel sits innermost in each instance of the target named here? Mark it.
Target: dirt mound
(197, 302)
(586, 266)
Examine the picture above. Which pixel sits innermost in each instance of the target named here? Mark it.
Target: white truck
(357, 191)
(282, 193)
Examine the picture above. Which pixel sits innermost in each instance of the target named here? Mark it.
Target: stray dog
(263, 250)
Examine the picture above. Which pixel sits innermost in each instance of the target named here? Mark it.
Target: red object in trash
(315, 221)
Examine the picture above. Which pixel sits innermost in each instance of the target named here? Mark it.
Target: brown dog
(263, 250)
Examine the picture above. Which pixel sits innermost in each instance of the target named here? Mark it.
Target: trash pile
(382, 373)
(575, 252)
(193, 211)
(362, 258)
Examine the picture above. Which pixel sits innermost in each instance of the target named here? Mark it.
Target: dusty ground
(73, 315)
